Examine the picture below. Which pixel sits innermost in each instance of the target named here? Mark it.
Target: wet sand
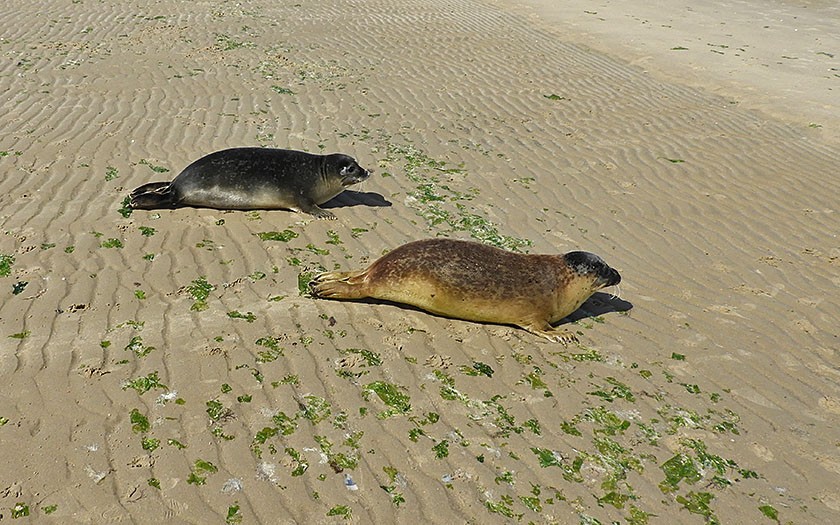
(167, 365)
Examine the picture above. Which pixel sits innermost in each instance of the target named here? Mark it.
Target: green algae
(284, 236)
(6, 262)
(139, 422)
(391, 395)
(136, 346)
(200, 290)
(145, 383)
(235, 314)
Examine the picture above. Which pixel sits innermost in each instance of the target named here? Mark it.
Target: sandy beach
(170, 364)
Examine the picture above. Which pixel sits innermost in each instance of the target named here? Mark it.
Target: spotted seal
(477, 282)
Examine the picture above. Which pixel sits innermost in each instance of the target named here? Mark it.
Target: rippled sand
(165, 365)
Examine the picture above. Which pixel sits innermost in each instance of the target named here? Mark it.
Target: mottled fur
(476, 282)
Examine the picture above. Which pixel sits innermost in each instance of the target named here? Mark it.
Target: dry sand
(707, 393)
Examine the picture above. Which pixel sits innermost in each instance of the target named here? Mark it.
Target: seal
(476, 282)
(255, 178)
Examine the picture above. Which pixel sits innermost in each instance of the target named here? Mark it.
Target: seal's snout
(364, 174)
(585, 263)
(352, 173)
(355, 177)
(610, 277)
(606, 276)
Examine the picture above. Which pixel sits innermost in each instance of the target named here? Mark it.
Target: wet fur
(255, 178)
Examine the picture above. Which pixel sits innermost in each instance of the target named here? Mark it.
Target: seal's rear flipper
(151, 196)
(338, 285)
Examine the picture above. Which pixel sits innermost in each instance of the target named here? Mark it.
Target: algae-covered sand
(171, 364)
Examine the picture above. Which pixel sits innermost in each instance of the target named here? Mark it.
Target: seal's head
(348, 169)
(592, 266)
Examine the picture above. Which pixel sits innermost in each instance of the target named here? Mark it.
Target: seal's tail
(339, 285)
(152, 195)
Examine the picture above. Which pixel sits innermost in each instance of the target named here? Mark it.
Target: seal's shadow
(349, 198)
(599, 304)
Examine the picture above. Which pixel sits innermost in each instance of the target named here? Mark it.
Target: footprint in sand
(350, 362)
(763, 452)
(438, 361)
(830, 404)
(830, 499)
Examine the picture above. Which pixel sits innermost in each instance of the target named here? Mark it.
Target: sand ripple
(151, 358)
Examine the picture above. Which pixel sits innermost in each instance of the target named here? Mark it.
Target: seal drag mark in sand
(476, 282)
(255, 178)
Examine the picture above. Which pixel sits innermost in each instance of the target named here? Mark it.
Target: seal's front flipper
(564, 337)
(313, 209)
(151, 196)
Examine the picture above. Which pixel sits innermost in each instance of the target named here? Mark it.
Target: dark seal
(255, 179)
(476, 282)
